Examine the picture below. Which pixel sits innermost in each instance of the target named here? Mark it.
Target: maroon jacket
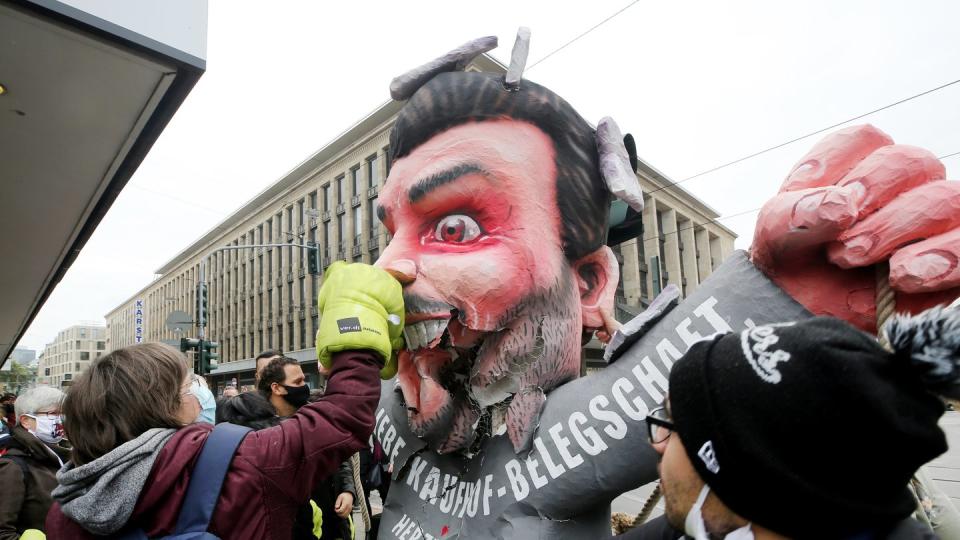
(273, 470)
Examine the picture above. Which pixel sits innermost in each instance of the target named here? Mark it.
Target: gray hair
(37, 398)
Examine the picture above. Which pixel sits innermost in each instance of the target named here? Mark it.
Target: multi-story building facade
(264, 298)
(71, 353)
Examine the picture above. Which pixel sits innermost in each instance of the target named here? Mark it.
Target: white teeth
(423, 334)
(435, 332)
(430, 331)
(410, 336)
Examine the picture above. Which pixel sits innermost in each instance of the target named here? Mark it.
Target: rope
(886, 302)
(358, 487)
(886, 305)
(648, 506)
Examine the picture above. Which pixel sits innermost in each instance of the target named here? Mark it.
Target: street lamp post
(204, 347)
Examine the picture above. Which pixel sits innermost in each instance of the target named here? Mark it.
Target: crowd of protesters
(862, 421)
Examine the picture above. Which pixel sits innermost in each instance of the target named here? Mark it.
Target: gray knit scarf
(100, 495)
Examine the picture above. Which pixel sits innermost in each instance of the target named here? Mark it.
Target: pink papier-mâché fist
(855, 200)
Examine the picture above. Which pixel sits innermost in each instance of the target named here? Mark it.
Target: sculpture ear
(597, 277)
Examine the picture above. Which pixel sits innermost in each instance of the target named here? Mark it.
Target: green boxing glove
(361, 307)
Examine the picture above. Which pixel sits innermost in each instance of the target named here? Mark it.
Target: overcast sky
(699, 84)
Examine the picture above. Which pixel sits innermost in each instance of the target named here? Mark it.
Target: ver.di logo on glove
(350, 324)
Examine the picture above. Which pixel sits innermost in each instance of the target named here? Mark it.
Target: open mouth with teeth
(434, 375)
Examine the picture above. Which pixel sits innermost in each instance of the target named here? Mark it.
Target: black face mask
(297, 395)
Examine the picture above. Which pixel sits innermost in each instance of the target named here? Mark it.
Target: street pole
(202, 277)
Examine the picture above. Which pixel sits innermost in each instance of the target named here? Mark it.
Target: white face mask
(696, 528)
(49, 429)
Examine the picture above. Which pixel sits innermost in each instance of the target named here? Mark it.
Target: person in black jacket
(29, 461)
(803, 430)
(252, 410)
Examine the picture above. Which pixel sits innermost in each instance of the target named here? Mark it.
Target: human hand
(610, 325)
(855, 200)
(361, 307)
(344, 504)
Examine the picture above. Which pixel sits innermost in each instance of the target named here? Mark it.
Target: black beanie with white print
(812, 428)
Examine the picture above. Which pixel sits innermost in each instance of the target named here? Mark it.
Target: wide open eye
(457, 229)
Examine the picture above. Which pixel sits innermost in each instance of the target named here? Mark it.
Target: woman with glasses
(29, 461)
(135, 421)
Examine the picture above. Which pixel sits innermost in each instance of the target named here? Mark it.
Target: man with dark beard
(496, 311)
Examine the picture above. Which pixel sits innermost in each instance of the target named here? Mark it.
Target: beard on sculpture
(461, 385)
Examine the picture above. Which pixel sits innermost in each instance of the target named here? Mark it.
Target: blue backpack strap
(207, 477)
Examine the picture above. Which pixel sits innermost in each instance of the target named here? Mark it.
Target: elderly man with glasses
(30, 456)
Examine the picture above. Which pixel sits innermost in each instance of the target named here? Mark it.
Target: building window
(290, 336)
(83, 332)
(326, 198)
(355, 176)
(386, 155)
(68, 377)
(372, 179)
(84, 355)
(340, 190)
(280, 335)
(269, 267)
(315, 327)
(357, 227)
(77, 346)
(76, 365)
(339, 233)
(269, 231)
(101, 345)
(313, 200)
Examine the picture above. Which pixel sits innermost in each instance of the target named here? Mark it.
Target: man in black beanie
(805, 430)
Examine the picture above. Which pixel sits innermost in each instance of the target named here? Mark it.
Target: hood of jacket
(101, 495)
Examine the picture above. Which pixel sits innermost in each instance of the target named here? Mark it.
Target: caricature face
(494, 309)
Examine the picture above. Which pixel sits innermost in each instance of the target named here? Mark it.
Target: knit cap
(810, 425)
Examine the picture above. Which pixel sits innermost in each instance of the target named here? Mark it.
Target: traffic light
(313, 258)
(208, 358)
(201, 304)
(189, 344)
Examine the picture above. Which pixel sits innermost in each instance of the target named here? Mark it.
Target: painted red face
(476, 230)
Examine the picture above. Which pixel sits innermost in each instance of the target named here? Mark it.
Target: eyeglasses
(659, 425)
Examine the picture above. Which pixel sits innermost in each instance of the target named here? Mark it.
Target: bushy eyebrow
(424, 186)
